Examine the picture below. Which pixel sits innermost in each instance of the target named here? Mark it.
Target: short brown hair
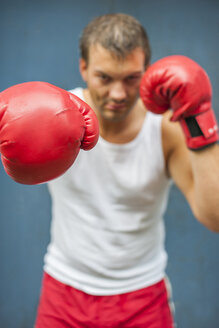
(118, 33)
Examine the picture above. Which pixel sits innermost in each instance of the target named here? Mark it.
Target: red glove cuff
(200, 130)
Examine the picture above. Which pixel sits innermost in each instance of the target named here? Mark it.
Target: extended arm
(42, 129)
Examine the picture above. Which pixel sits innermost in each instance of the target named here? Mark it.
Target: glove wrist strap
(200, 130)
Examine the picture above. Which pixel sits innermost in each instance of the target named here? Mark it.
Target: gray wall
(39, 41)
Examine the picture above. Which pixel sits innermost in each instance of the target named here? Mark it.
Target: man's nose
(117, 91)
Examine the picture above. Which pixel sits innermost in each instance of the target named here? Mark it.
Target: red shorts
(62, 306)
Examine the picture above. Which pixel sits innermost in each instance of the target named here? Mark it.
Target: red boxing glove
(179, 83)
(42, 128)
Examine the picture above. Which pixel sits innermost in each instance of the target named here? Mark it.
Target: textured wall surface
(39, 41)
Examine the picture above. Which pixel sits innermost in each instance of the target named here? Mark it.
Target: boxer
(105, 264)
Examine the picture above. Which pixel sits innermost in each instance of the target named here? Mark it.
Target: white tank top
(107, 230)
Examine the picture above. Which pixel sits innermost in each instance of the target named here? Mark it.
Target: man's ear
(83, 69)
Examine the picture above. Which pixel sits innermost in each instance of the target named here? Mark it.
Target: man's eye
(133, 79)
(104, 78)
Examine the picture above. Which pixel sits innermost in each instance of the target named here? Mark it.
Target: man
(105, 264)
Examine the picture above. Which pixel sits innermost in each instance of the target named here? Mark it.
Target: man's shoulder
(172, 136)
(171, 131)
(77, 92)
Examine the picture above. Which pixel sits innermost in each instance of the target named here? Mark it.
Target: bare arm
(196, 173)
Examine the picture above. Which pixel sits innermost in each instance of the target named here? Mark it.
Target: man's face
(113, 83)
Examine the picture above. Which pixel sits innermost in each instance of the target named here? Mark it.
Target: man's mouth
(115, 106)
